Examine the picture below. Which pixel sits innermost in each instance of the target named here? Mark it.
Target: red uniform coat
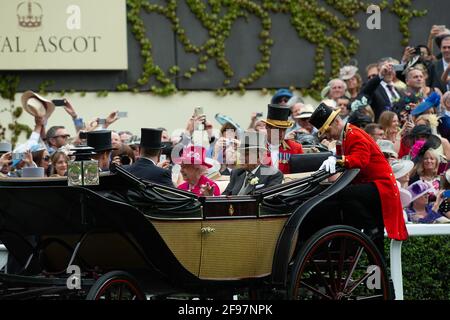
(361, 151)
(287, 147)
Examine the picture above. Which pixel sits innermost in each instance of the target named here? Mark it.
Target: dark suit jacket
(379, 99)
(271, 177)
(147, 170)
(438, 70)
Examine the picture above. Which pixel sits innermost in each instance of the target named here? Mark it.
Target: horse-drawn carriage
(135, 240)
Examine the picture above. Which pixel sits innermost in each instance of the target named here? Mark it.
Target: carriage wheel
(339, 262)
(116, 285)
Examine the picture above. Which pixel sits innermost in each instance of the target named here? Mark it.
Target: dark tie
(391, 90)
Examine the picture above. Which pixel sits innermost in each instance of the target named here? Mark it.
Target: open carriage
(137, 240)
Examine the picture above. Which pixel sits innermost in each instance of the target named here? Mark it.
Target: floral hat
(419, 188)
(194, 155)
(347, 72)
(358, 104)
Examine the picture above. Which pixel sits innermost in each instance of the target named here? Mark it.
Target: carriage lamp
(83, 171)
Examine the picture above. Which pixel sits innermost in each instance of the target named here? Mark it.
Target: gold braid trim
(328, 122)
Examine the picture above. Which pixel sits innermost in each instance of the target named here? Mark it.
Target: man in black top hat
(252, 175)
(100, 140)
(372, 201)
(279, 148)
(146, 166)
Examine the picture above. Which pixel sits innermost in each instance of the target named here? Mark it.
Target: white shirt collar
(256, 169)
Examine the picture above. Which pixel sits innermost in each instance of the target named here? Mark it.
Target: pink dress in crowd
(196, 189)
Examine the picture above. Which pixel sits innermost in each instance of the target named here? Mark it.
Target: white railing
(3, 256)
(414, 230)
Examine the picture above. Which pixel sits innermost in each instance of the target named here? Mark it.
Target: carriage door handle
(207, 230)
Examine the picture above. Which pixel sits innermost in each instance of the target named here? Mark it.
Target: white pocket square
(258, 186)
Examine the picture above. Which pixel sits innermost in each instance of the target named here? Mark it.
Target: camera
(398, 67)
(417, 51)
(198, 111)
(259, 115)
(18, 156)
(125, 160)
(83, 135)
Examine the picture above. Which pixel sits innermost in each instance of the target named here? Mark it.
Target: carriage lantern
(83, 171)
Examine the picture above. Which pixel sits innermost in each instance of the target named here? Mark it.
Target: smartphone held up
(59, 102)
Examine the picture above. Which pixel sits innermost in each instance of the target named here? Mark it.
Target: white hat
(387, 146)
(347, 72)
(405, 197)
(36, 105)
(401, 167)
(330, 103)
(419, 188)
(306, 112)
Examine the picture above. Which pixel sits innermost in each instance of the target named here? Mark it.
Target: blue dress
(429, 218)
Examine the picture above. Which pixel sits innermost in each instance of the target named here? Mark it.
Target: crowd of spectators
(402, 104)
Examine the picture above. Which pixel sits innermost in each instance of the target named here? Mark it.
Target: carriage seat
(307, 162)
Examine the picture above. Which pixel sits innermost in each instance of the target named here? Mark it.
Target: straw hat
(306, 112)
(36, 105)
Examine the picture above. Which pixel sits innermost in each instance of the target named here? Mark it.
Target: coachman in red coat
(360, 151)
(279, 149)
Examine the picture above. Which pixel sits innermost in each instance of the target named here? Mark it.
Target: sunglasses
(283, 100)
(47, 158)
(64, 136)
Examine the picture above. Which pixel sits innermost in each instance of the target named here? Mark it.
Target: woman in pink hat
(193, 168)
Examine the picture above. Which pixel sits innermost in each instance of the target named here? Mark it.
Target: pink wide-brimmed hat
(194, 155)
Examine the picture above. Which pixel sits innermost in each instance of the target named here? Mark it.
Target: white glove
(329, 165)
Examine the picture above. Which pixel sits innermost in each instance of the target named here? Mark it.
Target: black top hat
(277, 116)
(322, 117)
(421, 130)
(253, 140)
(151, 138)
(100, 140)
(433, 142)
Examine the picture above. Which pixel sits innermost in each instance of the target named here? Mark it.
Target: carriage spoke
(348, 255)
(121, 286)
(343, 249)
(311, 288)
(331, 270)
(378, 296)
(357, 283)
(353, 266)
(322, 278)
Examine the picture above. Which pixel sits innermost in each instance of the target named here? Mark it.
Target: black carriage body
(170, 240)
